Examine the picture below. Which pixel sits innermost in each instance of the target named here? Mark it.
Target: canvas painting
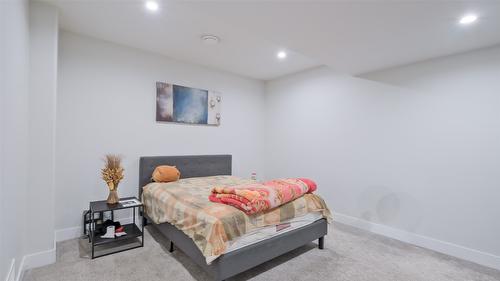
(181, 104)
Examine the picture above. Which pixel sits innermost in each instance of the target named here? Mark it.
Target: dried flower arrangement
(112, 174)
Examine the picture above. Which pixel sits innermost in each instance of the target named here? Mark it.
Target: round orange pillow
(166, 173)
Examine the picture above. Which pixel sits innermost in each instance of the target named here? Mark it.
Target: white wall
(421, 163)
(28, 84)
(106, 104)
(42, 109)
(462, 116)
(14, 65)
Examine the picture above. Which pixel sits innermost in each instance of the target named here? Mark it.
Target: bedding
(212, 226)
(258, 197)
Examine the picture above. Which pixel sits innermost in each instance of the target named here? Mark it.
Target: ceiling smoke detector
(210, 39)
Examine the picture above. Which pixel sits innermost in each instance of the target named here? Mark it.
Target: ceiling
(351, 37)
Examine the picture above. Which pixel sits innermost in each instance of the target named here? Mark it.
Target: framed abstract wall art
(181, 104)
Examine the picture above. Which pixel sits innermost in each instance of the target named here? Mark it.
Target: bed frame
(233, 262)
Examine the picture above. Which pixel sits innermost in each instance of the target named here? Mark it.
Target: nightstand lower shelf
(132, 232)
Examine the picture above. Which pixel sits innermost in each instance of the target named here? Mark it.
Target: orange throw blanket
(258, 197)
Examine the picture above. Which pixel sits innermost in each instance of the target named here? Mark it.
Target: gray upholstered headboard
(189, 166)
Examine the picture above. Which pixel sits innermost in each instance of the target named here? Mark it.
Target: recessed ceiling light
(468, 19)
(281, 55)
(152, 6)
(209, 39)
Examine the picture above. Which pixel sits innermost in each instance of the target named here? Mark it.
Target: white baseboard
(21, 269)
(39, 259)
(11, 274)
(451, 249)
(35, 260)
(68, 233)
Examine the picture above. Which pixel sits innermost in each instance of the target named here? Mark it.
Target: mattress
(267, 232)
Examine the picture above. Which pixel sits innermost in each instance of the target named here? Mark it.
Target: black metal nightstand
(132, 230)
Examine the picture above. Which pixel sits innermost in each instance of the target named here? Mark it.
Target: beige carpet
(350, 255)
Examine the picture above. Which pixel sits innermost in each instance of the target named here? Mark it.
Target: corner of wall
(43, 44)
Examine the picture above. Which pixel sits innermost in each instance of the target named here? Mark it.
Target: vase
(113, 197)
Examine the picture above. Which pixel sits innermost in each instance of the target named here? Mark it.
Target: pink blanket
(258, 197)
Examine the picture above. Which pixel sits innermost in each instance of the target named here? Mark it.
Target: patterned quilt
(259, 197)
(213, 226)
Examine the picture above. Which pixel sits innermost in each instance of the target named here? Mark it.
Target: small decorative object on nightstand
(131, 230)
(112, 174)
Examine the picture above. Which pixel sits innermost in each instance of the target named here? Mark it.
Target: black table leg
(141, 211)
(91, 232)
(171, 247)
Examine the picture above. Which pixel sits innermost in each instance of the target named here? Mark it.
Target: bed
(241, 258)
